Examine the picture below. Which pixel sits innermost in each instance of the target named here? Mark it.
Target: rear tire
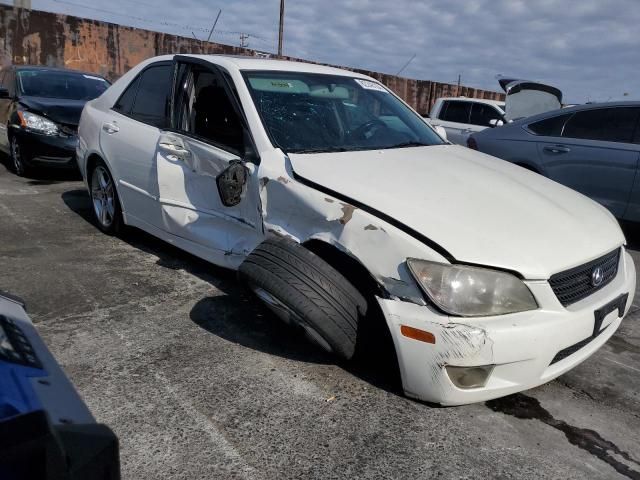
(306, 292)
(104, 199)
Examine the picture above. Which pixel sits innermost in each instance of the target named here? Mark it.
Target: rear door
(208, 193)
(129, 138)
(594, 154)
(454, 117)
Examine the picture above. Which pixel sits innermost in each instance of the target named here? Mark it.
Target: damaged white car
(332, 198)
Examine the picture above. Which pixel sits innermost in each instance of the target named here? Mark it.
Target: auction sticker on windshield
(370, 85)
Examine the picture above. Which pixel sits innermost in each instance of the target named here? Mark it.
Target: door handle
(110, 128)
(174, 150)
(557, 149)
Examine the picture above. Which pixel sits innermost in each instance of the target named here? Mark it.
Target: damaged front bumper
(519, 351)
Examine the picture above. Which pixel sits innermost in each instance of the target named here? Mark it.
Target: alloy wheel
(103, 196)
(16, 157)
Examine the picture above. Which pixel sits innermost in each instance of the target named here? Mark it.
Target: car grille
(575, 284)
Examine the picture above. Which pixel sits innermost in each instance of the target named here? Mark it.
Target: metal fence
(43, 38)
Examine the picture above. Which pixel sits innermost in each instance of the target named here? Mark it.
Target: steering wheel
(362, 130)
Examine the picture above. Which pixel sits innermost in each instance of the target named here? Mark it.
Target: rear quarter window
(550, 127)
(125, 102)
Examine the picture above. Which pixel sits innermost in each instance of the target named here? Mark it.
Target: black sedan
(40, 110)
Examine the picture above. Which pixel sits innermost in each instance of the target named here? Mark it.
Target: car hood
(480, 209)
(59, 110)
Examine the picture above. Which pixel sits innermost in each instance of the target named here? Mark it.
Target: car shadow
(238, 317)
(41, 175)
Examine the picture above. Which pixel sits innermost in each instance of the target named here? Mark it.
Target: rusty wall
(42, 38)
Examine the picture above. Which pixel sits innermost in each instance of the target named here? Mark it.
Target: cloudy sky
(588, 48)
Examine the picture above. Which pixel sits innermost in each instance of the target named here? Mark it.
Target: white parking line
(217, 437)
(621, 364)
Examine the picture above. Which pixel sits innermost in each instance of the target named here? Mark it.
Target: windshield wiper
(320, 150)
(406, 144)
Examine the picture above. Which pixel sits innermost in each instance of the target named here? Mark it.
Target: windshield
(308, 112)
(57, 84)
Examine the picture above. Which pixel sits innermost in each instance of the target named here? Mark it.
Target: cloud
(588, 48)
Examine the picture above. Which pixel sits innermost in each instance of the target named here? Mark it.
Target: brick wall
(42, 38)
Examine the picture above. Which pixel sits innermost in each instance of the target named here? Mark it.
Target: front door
(207, 193)
(454, 117)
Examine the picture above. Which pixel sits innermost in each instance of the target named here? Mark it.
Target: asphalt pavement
(199, 381)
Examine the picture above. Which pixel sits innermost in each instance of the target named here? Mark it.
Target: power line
(191, 28)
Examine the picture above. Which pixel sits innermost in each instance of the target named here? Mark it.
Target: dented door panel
(190, 201)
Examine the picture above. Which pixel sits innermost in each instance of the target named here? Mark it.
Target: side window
(604, 124)
(457, 112)
(206, 111)
(151, 102)
(482, 114)
(550, 127)
(125, 102)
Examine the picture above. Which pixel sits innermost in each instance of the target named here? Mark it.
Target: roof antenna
(406, 64)
(214, 25)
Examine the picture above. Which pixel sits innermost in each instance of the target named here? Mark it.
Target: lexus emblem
(597, 277)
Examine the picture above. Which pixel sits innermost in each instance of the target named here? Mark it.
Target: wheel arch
(374, 334)
(348, 266)
(92, 160)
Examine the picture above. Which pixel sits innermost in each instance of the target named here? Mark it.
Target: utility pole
(281, 32)
(243, 40)
(214, 25)
(458, 89)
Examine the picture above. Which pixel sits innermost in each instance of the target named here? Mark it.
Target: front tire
(104, 199)
(306, 292)
(17, 160)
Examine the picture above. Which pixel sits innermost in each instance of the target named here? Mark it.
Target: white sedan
(336, 201)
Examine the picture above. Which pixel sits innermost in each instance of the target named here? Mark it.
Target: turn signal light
(417, 334)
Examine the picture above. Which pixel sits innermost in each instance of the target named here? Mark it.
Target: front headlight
(471, 291)
(37, 123)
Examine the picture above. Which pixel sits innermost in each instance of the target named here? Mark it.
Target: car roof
(247, 63)
(575, 108)
(48, 68)
(498, 103)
